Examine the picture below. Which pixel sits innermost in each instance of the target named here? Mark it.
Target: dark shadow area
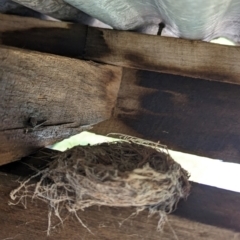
(212, 206)
(69, 42)
(28, 166)
(189, 115)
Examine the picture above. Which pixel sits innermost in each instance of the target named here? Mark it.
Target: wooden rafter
(46, 98)
(126, 49)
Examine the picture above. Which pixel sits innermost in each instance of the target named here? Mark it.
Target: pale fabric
(191, 19)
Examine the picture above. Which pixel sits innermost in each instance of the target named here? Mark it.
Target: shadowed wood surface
(59, 38)
(208, 214)
(189, 115)
(46, 98)
(170, 55)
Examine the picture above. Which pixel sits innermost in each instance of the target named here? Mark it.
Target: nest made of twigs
(125, 173)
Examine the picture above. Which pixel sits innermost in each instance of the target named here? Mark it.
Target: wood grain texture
(31, 223)
(132, 50)
(189, 115)
(169, 55)
(59, 38)
(65, 95)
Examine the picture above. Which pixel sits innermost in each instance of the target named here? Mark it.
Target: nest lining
(120, 174)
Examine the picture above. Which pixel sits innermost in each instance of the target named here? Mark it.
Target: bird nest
(126, 173)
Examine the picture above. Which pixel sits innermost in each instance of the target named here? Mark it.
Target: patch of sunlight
(203, 170)
(223, 41)
(83, 139)
(209, 171)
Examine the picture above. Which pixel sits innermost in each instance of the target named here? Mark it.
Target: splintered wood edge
(31, 76)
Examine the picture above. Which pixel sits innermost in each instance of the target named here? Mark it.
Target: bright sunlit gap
(203, 170)
(223, 41)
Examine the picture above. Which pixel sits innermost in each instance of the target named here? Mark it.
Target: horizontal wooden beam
(198, 117)
(189, 115)
(208, 214)
(176, 56)
(59, 38)
(133, 50)
(46, 98)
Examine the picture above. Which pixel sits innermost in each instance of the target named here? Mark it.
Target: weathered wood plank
(170, 55)
(189, 115)
(65, 95)
(17, 23)
(59, 38)
(31, 223)
(190, 133)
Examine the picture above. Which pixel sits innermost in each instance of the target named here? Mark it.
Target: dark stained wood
(212, 206)
(62, 95)
(169, 55)
(59, 38)
(31, 223)
(189, 115)
(133, 50)
(209, 126)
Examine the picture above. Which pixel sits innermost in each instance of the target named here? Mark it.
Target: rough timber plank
(31, 223)
(169, 55)
(59, 38)
(63, 94)
(206, 124)
(189, 115)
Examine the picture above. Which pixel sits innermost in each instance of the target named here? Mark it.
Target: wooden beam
(59, 38)
(201, 120)
(46, 98)
(168, 55)
(132, 50)
(198, 117)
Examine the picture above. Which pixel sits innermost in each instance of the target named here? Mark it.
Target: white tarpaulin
(191, 19)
